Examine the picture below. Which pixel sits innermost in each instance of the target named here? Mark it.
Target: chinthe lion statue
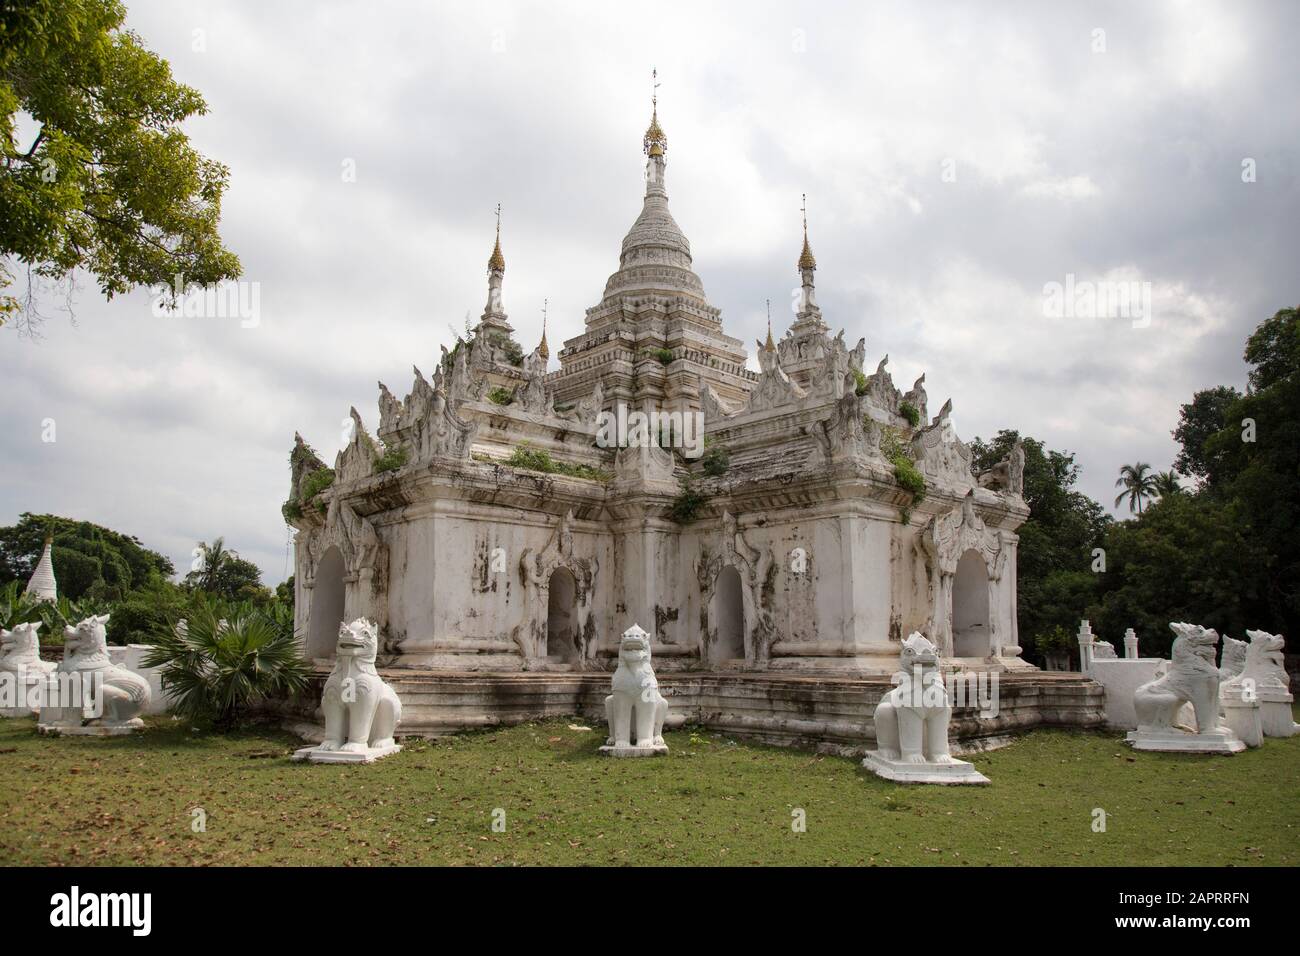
(21, 670)
(1232, 659)
(635, 710)
(1192, 678)
(1264, 678)
(912, 719)
(122, 694)
(361, 711)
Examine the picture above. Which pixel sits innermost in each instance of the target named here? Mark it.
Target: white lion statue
(1192, 678)
(22, 669)
(1232, 658)
(1264, 677)
(912, 722)
(120, 696)
(635, 710)
(361, 710)
(912, 719)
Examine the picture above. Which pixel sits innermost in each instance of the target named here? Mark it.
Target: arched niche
(971, 634)
(326, 606)
(729, 616)
(562, 616)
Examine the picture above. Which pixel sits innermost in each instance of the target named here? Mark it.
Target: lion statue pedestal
(107, 700)
(361, 711)
(912, 723)
(635, 710)
(22, 672)
(1192, 679)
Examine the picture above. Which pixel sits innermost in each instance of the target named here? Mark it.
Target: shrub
(500, 395)
(539, 459)
(715, 460)
(665, 356)
(391, 460)
(226, 657)
(862, 381)
(911, 413)
(906, 474)
(686, 506)
(514, 354)
(316, 482)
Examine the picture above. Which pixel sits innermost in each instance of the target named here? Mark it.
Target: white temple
(796, 550)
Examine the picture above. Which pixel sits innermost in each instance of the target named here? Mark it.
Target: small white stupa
(42, 583)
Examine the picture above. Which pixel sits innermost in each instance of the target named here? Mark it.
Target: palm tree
(1166, 484)
(214, 557)
(1138, 483)
(225, 657)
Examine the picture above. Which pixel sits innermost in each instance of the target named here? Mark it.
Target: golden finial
(543, 349)
(498, 262)
(655, 142)
(806, 260)
(769, 345)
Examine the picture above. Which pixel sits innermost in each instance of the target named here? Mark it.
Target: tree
(1165, 483)
(1187, 558)
(90, 561)
(1258, 451)
(223, 573)
(108, 183)
(1138, 483)
(1204, 416)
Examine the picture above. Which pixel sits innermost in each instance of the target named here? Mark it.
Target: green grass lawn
(710, 801)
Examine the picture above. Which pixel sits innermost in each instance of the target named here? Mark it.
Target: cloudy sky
(957, 159)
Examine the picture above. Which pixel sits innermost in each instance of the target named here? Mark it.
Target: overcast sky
(957, 158)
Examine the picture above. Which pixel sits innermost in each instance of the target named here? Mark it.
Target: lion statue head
(918, 651)
(1265, 661)
(359, 640)
(634, 648)
(1194, 644)
(86, 642)
(1233, 656)
(22, 645)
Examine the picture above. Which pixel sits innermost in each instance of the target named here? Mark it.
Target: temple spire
(806, 260)
(769, 345)
(655, 142)
(497, 262)
(807, 266)
(543, 349)
(495, 311)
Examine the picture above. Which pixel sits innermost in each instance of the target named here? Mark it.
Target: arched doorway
(326, 606)
(562, 616)
(971, 635)
(729, 616)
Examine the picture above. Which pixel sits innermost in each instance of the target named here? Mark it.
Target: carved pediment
(943, 457)
(641, 462)
(774, 388)
(950, 535)
(357, 459)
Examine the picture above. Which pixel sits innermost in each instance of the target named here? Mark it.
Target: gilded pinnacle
(497, 262)
(806, 260)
